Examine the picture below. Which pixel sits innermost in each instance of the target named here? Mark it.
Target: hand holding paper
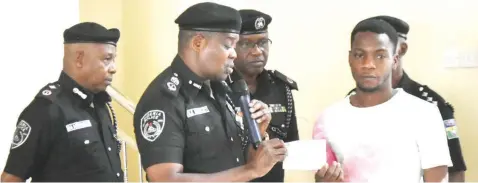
(305, 155)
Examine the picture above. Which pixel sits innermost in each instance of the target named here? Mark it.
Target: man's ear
(79, 58)
(396, 59)
(403, 49)
(198, 42)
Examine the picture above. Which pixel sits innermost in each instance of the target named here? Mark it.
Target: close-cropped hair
(376, 26)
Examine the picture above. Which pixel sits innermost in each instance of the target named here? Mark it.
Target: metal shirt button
(87, 142)
(207, 129)
(237, 159)
(109, 148)
(117, 174)
(232, 140)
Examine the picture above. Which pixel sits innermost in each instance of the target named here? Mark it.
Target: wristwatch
(265, 137)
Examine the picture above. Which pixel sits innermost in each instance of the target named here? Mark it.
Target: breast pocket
(203, 135)
(85, 150)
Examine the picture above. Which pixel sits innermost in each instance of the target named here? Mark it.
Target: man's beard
(373, 89)
(368, 90)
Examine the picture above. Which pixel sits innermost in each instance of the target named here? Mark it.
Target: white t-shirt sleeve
(432, 141)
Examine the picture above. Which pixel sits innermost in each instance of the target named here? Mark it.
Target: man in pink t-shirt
(363, 132)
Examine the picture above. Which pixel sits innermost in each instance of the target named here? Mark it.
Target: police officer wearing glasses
(269, 86)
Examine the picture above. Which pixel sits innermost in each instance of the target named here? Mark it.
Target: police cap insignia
(90, 32)
(210, 17)
(152, 124)
(254, 22)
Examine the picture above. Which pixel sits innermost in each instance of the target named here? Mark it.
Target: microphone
(239, 86)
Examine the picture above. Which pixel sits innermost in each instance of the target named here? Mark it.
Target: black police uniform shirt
(180, 120)
(275, 90)
(447, 112)
(65, 134)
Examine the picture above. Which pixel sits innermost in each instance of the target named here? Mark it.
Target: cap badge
(260, 23)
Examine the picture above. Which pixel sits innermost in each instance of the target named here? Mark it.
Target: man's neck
(190, 62)
(251, 81)
(369, 99)
(396, 78)
(79, 80)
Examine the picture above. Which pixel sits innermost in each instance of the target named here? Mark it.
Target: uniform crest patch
(21, 134)
(451, 132)
(449, 123)
(450, 126)
(152, 124)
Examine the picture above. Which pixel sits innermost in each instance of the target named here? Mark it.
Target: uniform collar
(191, 81)
(263, 81)
(81, 93)
(404, 81)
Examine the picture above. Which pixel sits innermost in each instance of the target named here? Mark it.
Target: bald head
(91, 65)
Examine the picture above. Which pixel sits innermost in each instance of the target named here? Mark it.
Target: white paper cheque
(305, 155)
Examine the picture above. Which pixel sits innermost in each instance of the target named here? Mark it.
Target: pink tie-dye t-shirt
(374, 144)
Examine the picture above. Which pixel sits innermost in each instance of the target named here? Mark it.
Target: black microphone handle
(254, 133)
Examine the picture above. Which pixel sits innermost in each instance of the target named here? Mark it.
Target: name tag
(78, 125)
(197, 111)
(277, 108)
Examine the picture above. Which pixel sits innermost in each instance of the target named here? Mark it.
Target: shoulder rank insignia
(429, 95)
(49, 91)
(172, 84)
(292, 84)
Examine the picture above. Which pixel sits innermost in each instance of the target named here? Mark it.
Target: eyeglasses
(261, 44)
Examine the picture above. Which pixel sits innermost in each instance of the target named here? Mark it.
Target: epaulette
(292, 84)
(431, 96)
(49, 91)
(171, 84)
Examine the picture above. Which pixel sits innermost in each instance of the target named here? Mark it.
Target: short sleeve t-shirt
(392, 141)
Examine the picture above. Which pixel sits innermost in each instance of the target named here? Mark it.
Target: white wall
(31, 51)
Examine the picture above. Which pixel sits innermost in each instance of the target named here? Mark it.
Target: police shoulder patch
(449, 123)
(291, 83)
(152, 124)
(21, 134)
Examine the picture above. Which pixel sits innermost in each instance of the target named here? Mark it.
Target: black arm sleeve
(159, 131)
(453, 140)
(32, 139)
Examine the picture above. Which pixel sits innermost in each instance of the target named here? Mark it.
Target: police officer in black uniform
(401, 80)
(67, 133)
(269, 86)
(185, 121)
